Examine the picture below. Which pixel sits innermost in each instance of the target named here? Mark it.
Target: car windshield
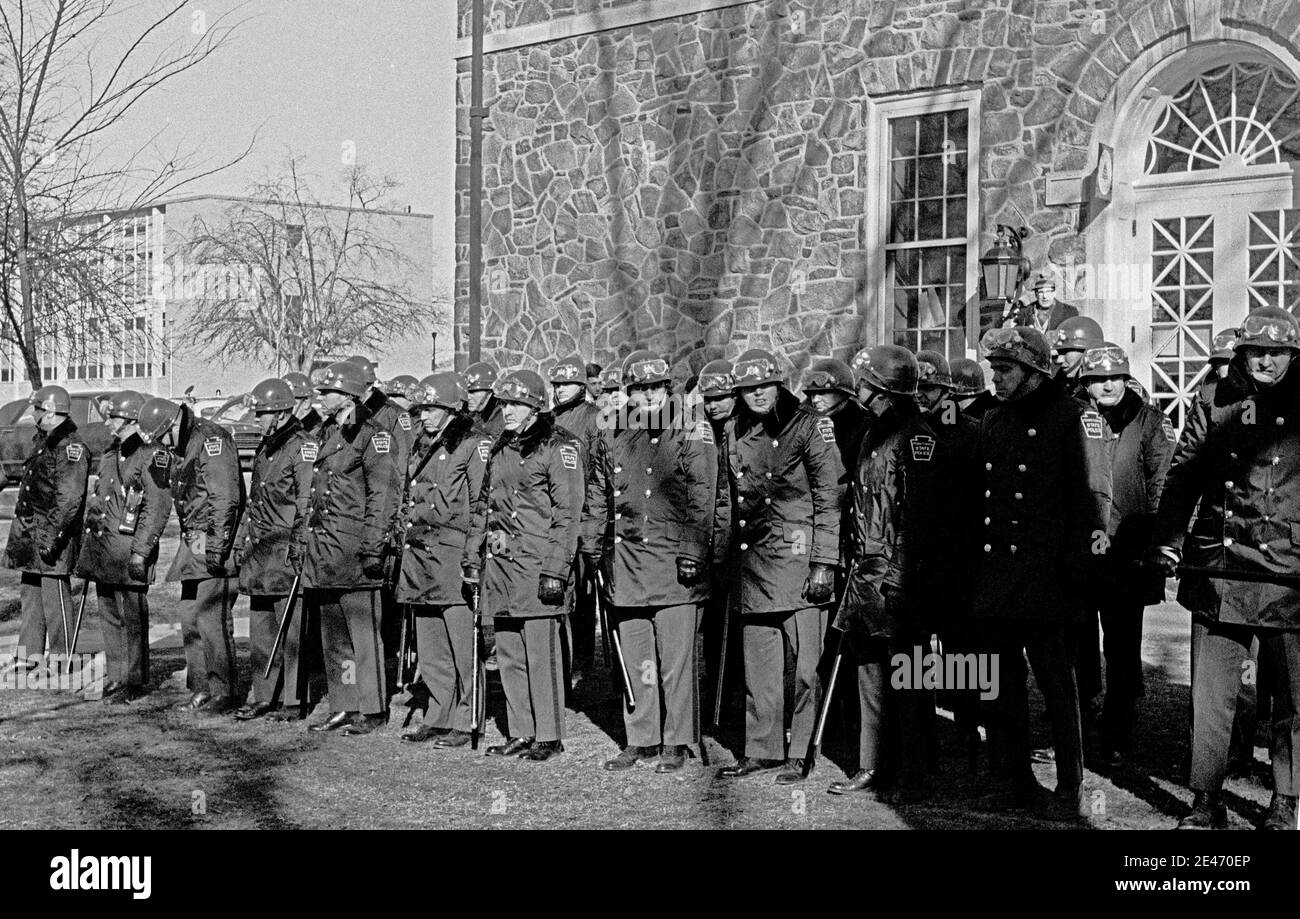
(234, 410)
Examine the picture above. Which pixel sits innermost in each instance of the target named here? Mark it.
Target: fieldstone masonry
(699, 185)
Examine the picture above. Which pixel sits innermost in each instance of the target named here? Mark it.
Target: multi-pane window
(134, 358)
(928, 237)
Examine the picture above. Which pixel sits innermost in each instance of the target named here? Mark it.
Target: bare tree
(290, 280)
(69, 74)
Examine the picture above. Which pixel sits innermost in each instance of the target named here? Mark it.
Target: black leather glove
(135, 568)
(215, 566)
(688, 571)
(1163, 560)
(820, 585)
(295, 558)
(550, 590)
(48, 553)
(372, 566)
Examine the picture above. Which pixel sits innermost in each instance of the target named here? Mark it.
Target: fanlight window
(1236, 115)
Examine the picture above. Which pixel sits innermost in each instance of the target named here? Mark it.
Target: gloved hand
(820, 585)
(372, 566)
(48, 553)
(469, 578)
(1164, 560)
(295, 558)
(550, 590)
(688, 571)
(135, 569)
(214, 563)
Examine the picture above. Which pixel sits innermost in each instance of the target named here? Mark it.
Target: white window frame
(879, 112)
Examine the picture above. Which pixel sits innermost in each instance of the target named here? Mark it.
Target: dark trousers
(354, 663)
(265, 613)
(42, 616)
(765, 639)
(1048, 646)
(659, 651)
(713, 616)
(1220, 659)
(1086, 647)
(208, 630)
(530, 661)
(124, 614)
(1121, 624)
(580, 624)
(898, 726)
(445, 638)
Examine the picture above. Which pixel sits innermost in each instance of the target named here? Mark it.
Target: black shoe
(793, 772)
(863, 780)
(746, 766)
(542, 750)
(512, 747)
(629, 757)
(125, 695)
(422, 733)
(453, 739)
(195, 702)
(365, 724)
(219, 706)
(333, 723)
(1208, 813)
(256, 710)
(1281, 813)
(1043, 755)
(672, 758)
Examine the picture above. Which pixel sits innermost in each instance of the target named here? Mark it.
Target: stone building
(703, 176)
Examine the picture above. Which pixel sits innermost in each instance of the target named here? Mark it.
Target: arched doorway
(1210, 145)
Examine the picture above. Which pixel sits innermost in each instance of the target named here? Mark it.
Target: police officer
(970, 388)
(786, 472)
(125, 517)
(1045, 313)
(400, 390)
(886, 608)
(45, 536)
(828, 384)
(648, 527)
(580, 418)
(1042, 519)
(445, 478)
(524, 534)
(272, 544)
(1139, 443)
(1239, 457)
(716, 389)
(480, 381)
(1074, 337)
(352, 514)
(208, 491)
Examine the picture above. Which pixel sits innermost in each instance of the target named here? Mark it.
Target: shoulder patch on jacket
(569, 456)
(213, 446)
(1093, 425)
(704, 432)
(404, 420)
(383, 442)
(162, 459)
(308, 450)
(922, 447)
(1168, 427)
(827, 429)
(74, 452)
(484, 449)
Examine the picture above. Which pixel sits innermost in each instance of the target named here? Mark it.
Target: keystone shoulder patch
(382, 442)
(212, 446)
(1168, 427)
(922, 448)
(704, 432)
(484, 449)
(405, 421)
(827, 429)
(162, 459)
(309, 449)
(1093, 425)
(569, 456)
(74, 452)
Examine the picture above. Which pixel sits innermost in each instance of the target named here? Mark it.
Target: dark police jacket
(208, 490)
(788, 480)
(51, 498)
(581, 419)
(650, 501)
(851, 422)
(353, 512)
(1239, 456)
(897, 511)
(527, 518)
(1040, 520)
(445, 476)
(276, 519)
(129, 470)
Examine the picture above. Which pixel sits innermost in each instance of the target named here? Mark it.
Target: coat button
(654, 440)
(769, 475)
(1263, 547)
(1013, 549)
(1227, 513)
(1269, 491)
(648, 470)
(618, 539)
(988, 521)
(1019, 496)
(1022, 467)
(1276, 460)
(875, 453)
(1033, 433)
(988, 467)
(742, 523)
(744, 546)
(1267, 518)
(1281, 420)
(1227, 484)
(1232, 456)
(1227, 540)
(647, 492)
(988, 494)
(776, 443)
(988, 548)
(617, 493)
(618, 516)
(740, 499)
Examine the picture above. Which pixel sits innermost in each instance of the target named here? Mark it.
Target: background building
(703, 176)
(145, 353)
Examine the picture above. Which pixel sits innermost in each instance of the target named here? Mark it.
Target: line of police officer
(899, 494)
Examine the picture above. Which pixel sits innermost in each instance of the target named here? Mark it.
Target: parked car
(236, 417)
(18, 427)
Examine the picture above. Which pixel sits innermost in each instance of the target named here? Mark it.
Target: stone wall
(699, 185)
